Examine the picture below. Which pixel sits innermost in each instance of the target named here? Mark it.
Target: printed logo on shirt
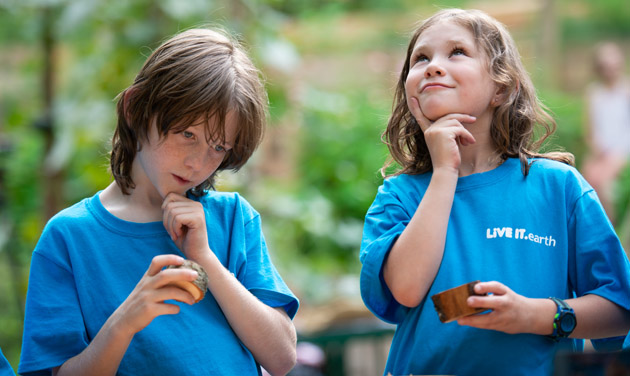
(519, 233)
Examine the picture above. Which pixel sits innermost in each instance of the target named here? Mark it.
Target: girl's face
(180, 161)
(449, 73)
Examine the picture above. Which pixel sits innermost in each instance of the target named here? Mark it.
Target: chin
(435, 114)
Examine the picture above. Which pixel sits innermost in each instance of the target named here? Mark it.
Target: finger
(179, 220)
(172, 197)
(173, 292)
(461, 118)
(159, 262)
(414, 108)
(493, 287)
(168, 276)
(464, 137)
(166, 309)
(488, 301)
(481, 320)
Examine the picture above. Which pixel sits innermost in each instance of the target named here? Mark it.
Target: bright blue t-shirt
(88, 261)
(5, 367)
(542, 235)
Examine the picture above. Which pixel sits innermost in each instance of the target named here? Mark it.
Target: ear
(499, 96)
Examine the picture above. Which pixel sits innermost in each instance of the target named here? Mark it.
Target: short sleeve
(601, 266)
(53, 325)
(259, 275)
(384, 222)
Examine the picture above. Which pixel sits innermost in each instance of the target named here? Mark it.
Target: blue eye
(458, 51)
(219, 148)
(420, 58)
(188, 134)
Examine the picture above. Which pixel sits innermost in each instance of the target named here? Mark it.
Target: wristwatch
(564, 321)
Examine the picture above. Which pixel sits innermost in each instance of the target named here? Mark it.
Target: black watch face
(567, 323)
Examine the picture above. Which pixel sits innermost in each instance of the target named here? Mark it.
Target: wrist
(118, 327)
(542, 312)
(564, 321)
(445, 172)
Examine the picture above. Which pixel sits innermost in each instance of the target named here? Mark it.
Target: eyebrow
(450, 42)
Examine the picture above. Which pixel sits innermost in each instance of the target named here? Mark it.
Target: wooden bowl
(196, 288)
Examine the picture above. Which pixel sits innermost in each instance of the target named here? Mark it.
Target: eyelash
(218, 148)
(458, 50)
(423, 57)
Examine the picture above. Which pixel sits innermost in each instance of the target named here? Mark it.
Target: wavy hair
(199, 74)
(514, 122)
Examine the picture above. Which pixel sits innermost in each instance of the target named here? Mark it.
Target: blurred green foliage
(343, 57)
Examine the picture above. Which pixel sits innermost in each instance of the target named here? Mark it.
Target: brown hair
(513, 122)
(197, 74)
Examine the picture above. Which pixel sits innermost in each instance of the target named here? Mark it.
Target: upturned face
(180, 160)
(449, 73)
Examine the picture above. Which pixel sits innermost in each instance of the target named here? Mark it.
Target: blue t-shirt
(5, 367)
(542, 235)
(88, 261)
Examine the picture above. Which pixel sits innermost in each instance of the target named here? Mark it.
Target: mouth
(433, 85)
(181, 180)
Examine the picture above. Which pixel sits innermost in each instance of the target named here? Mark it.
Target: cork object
(196, 288)
(451, 304)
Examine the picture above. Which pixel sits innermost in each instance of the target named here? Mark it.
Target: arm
(146, 302)
(414, 259)
(512, 313)
(267, 332)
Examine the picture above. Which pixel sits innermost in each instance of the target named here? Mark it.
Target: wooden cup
(451, 304)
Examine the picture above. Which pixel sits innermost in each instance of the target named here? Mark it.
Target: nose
(201, 160)
(194, 161)
(433, 69)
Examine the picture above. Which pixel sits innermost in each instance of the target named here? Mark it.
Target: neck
(134, 207)
(480, 162)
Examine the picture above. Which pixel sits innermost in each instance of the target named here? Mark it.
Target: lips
(181, 180)
(433, 85)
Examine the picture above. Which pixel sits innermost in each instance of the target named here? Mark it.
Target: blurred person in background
(607, 124)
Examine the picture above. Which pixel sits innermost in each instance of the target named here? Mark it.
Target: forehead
(445, 32)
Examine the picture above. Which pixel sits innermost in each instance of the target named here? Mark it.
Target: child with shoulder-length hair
(101, 300)
(476, 199)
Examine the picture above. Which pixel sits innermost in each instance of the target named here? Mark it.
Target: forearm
(415, 258)
(103, 355)
(596, 317)
(267, 332)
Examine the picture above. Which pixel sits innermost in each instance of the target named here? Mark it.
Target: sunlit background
(329, 66)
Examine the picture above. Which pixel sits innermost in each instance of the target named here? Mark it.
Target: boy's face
(448, 73)
(181, 161)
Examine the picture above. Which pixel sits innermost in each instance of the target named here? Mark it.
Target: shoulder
(550, 171)
(400, 190)
(552, 167)
(76, 214)
(404, 182)
(224, 202)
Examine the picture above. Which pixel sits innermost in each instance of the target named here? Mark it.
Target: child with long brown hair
(100, 300)
(476, 199)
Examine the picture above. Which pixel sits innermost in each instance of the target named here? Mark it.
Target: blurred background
(330, 67)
